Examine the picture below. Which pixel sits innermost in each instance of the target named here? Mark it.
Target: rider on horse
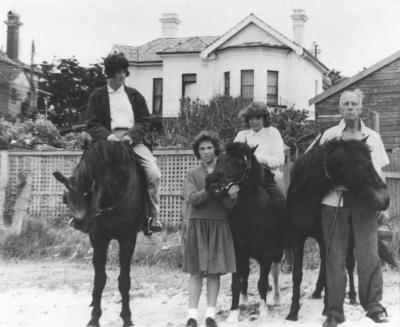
(119, 113)
(269, 143)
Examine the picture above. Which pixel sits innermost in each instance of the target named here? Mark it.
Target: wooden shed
(380, 84)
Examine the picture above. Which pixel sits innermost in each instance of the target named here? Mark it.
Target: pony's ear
(253, 149)
(364, 140)
(61, 178)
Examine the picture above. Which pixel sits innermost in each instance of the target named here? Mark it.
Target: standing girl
(209, 247)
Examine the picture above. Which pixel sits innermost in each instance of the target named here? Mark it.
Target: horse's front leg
(275, 269)
(126, 248)
(321, 276)
(235, 288)
(265, 267)
(100, 244)
(244, 300)
(297, 276)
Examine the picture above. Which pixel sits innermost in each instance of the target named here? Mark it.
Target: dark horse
(257, 229)
(336, 162)
(106, 198)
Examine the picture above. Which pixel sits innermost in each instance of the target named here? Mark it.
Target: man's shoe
(210, 322)
(191, 323)
(154, 226)
(379, 317)
(331, 321)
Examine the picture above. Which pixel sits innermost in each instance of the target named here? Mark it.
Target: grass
(56, 240)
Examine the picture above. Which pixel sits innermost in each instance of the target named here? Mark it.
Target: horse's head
(81, 203)
(99, 181)
(349, 163)
(236, 165)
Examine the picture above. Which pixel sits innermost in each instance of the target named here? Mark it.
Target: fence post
(4, 165)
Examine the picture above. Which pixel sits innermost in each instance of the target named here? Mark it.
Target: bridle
(242, 178)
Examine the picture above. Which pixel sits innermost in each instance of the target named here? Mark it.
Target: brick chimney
(169, 25)
(299, 18)
(13, 25)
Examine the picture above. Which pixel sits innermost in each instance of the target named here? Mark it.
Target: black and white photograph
(199, 163)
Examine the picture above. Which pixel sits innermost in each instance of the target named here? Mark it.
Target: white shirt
(120, 108)
(379, 156)
(270, 148)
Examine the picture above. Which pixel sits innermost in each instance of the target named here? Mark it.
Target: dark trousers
(354, 217)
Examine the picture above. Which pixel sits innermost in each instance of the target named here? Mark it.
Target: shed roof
(345, 83)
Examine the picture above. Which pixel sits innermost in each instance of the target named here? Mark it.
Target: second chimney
(13, 25)
(169, 25)
(299, 18)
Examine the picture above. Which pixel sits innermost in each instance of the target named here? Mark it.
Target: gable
(251, 34)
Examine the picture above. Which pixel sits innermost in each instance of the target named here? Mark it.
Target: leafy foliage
(70, 85)
(38, 134)
(221, 115)
(335, 76)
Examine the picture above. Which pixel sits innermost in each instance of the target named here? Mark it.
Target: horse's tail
(385, 253)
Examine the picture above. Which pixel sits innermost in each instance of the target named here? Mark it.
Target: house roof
(17, 63)
(150, 51)
(345, 83)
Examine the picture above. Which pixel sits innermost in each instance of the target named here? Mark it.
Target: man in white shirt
(352, 216)
(270, 147)
(119, 113)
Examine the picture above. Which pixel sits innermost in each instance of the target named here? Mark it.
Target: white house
(252, 60)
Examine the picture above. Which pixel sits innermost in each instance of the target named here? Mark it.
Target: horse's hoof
(244, 300)
(353, 301)
(128, 323)
(93, 323)
(316, 295)
(233, 316)
(263, 309)
(277, 299)
(292, 317)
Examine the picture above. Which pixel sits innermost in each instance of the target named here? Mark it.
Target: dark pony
(337, 162)
(257, 229)
(105, 195)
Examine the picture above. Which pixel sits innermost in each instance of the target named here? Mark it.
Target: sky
(352, 34)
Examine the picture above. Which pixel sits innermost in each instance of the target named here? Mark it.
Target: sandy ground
(58, 294)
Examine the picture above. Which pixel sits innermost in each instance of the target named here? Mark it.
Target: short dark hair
(207, 136)
(256, 109)
(114, 63)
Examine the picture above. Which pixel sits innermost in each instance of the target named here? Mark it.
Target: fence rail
(46, 201)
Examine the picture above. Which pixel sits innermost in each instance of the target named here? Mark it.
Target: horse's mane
(239, 150)
(108, 165)
(308, 172)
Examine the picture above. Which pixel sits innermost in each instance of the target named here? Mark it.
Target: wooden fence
(46, 201)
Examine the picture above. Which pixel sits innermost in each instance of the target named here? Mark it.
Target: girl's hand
(233, 191)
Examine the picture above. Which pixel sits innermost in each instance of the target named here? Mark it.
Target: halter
(245, 174)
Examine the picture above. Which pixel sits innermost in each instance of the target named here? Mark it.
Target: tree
(70, 85)
(335, 76)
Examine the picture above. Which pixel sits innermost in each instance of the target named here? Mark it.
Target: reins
(243, 177)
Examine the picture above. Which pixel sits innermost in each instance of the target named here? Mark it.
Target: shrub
(221, 115)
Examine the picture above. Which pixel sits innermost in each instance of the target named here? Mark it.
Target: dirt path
(58, 294)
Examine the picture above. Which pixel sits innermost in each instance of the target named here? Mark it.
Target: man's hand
(233, 191)
(126, 139)
(113, 138)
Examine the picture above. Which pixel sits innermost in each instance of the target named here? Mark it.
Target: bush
(221, 115)
(38, 134)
